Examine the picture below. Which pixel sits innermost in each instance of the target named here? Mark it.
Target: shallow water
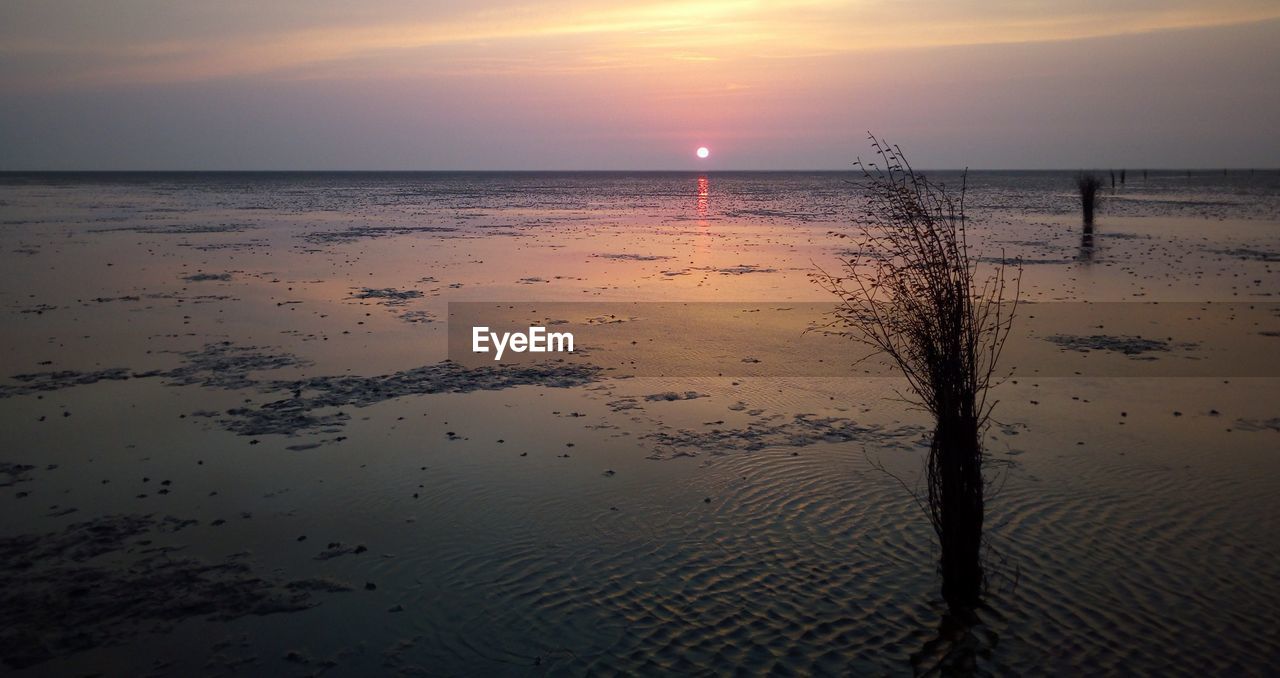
(269, 345)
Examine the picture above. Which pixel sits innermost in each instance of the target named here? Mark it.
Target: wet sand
(232, 440)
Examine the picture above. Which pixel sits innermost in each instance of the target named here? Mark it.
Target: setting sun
(703, 152)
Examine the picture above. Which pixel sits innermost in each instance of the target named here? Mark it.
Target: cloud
(65, 44)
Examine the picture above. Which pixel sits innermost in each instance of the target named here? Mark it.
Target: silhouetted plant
(1088, 185)
(916, 297)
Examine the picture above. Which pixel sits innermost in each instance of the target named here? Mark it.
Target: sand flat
(248, 375)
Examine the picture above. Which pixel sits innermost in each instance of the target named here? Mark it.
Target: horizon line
(616, 171)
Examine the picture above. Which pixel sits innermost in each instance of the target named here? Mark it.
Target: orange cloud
(662, 36)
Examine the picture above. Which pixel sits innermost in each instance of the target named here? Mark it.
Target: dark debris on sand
(801, 430)
(293, 415)
(633, 257)
(178, 229)
(206, 277)
(387, 295)
(742, 269)
(219, 365)
(12, 474)
(362, 232)
(1250, 254)
(417, 317)
(1128, 345)
(1272, 424)
(92, 584)
(227, 366)
(673, 395)
(58, 380)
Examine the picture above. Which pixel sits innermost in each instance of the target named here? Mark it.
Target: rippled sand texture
(230, 443)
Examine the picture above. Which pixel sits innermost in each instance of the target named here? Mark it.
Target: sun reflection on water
(704, 195)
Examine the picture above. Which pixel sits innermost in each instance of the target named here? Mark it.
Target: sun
(703, 151)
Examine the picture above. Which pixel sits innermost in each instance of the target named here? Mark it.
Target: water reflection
(1086, 245)
(960, 646)
(704, 195)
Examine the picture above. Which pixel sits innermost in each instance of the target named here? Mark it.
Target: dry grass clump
(916, 296)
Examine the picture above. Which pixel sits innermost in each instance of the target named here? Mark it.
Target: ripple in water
(820, 563)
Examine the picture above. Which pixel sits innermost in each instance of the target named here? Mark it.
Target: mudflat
(232, 436)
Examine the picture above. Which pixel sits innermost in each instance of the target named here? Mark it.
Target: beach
(233, 438)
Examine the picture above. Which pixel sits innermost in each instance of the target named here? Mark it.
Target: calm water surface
(229, 443)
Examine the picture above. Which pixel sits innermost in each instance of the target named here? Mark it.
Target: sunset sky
(535, 84)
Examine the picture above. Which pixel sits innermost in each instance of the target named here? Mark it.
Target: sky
(641, 84)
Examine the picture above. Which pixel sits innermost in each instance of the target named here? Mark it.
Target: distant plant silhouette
(916, 296)
(1088, 185)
